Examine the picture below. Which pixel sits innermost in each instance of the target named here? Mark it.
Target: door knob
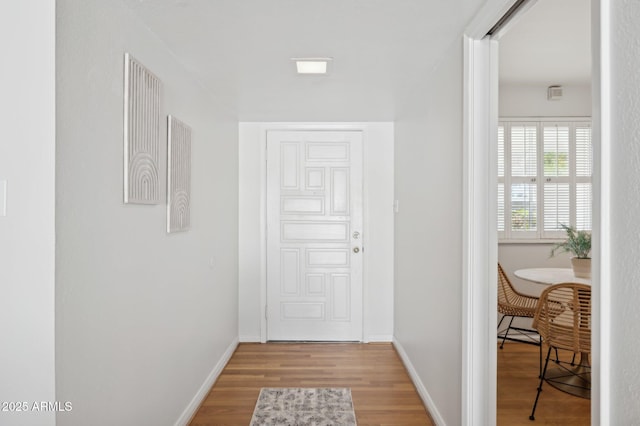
(356, 249)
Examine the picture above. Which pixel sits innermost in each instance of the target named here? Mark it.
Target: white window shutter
(584, 151)
(544, 178)
(584, 171)
(584, 202)
(524, 140)
(556, 149)
(524, 209)
(501, 196)
(501, 208)
(557, 206)
(556, 172)
(523, 194)
(500, 151)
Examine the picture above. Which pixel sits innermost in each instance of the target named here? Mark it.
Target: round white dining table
(550, 276)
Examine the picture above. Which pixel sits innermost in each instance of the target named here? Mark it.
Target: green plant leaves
(577, 243)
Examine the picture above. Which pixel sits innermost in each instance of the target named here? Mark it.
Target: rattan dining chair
(514, 304)
(563, 319)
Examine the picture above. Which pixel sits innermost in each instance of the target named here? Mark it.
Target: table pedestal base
(575, 379)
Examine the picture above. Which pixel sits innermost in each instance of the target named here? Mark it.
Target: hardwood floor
(517, 386)
(382, 391)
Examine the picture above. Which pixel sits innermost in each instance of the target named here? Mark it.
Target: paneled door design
(314, 235)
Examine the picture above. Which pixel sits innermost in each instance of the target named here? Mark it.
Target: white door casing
(314, 235)
(478, 387)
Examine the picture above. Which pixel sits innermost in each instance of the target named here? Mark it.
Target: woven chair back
(563, 317)
(505, 289)
(510, 301)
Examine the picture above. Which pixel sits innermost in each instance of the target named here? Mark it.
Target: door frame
(356, 214)
(480, 235)
(377, 291)
(480, 241)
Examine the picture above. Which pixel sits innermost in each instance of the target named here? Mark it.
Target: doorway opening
(480, 228)
(544, 181)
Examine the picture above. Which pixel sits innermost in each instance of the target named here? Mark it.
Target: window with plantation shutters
(556, 178)
(501, 203)
(544, 178)
(584, 169)
(523, 194)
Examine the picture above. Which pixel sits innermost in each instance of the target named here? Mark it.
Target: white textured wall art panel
(142, 134)
(178, 176)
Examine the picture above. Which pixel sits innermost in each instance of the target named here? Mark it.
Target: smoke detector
(554, 93)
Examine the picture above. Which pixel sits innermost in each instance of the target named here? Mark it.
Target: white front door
(314, 235)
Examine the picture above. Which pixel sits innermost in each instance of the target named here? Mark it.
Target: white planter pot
(581, 267)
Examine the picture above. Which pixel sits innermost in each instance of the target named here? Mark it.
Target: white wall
(624, 232)
(378, 232)
(428, 246)
(531, 101)
(27, 235)
(142, 317)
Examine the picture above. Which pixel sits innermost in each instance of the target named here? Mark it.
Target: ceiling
(382, 50)
(550, 45)
(240, 50)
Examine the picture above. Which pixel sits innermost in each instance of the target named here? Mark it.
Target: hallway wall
(27, 234)
(142, 317)
(428, 227)
(623, 236)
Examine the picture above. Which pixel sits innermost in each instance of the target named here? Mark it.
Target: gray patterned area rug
(304, 407)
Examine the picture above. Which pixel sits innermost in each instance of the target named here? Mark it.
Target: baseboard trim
(422, 390)
(193, 406)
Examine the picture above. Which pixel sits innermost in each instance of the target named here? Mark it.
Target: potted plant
(577, 243)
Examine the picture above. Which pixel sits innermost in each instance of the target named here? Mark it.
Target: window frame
(508, 235)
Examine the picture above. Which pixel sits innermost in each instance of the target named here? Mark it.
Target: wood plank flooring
(517, 386)
(382, 391)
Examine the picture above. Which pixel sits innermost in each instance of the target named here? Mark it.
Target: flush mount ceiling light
(312, 65)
